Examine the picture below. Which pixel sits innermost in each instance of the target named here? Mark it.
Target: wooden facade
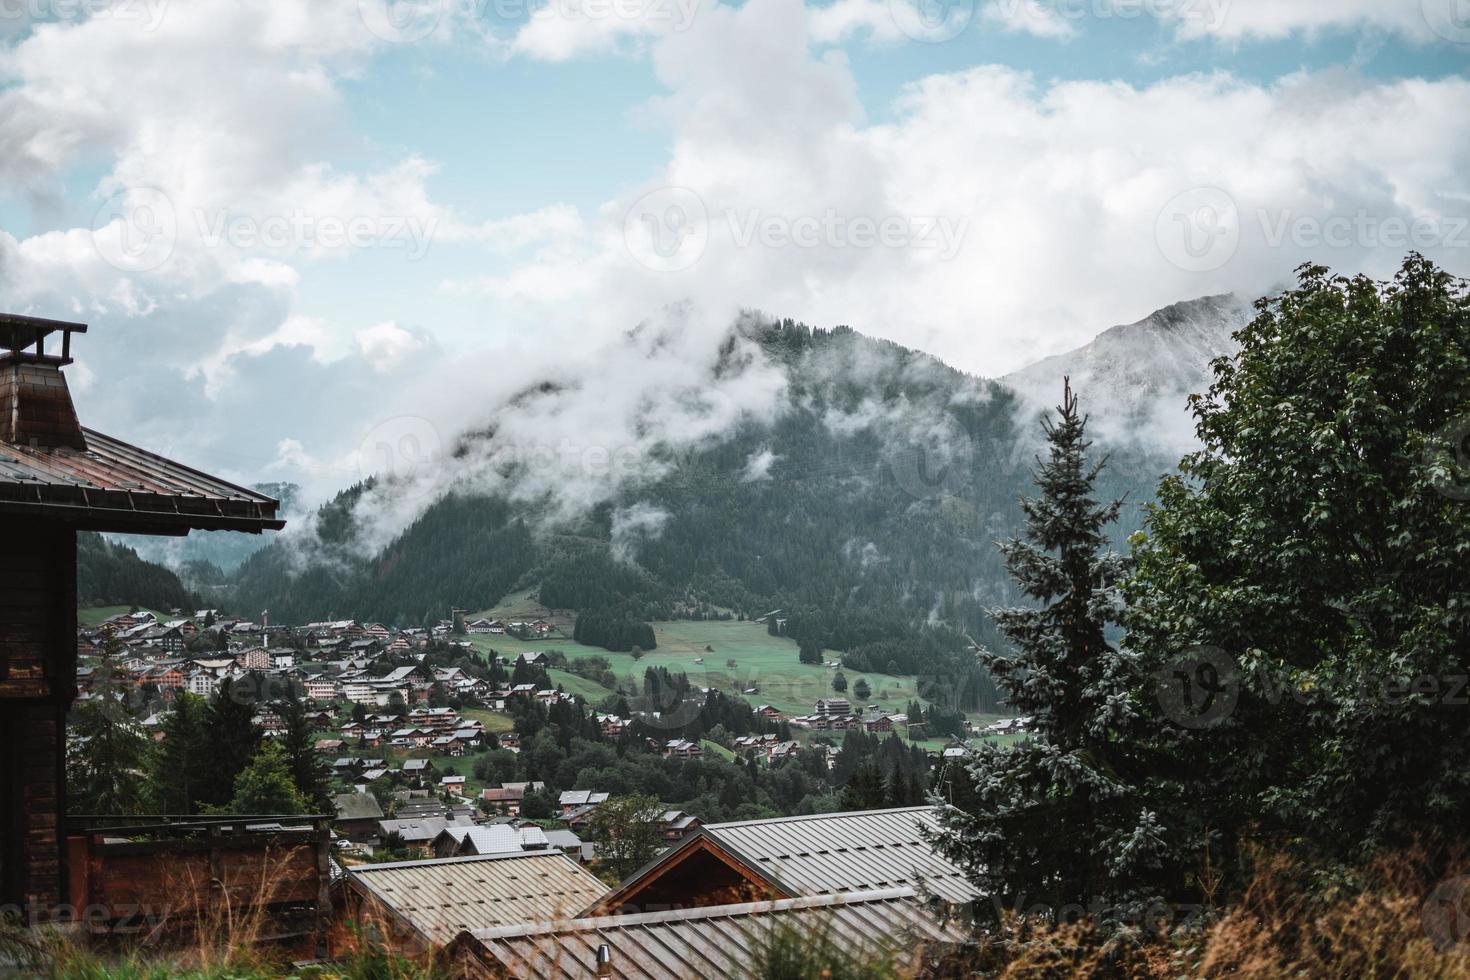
(37, 685)
(56, 478)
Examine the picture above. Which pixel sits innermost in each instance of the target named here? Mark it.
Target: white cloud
(1025, 215)
(1032, 17)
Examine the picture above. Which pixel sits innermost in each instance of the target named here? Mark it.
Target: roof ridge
(702, 912)
(819, 816)
(394, 865)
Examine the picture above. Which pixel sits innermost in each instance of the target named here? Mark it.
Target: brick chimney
(35, 404)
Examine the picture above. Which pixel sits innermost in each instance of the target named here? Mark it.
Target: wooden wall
(37, 684)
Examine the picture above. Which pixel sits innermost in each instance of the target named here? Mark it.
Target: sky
(317, 238)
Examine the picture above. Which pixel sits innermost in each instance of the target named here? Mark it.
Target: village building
(357, 816)
(424, 904)
(791, 857)
(58, 478)
(713, 943)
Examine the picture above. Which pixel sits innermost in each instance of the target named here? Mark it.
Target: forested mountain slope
(867, 508)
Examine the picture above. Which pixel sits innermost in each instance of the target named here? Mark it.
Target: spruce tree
(308, 771)
(1060, 819)
(106, 750)
(231, 736)
(180, 766)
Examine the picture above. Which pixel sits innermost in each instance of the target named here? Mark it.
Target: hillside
(112, 574)
(866, 508)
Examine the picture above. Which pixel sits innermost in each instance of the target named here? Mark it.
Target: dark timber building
(56, 478)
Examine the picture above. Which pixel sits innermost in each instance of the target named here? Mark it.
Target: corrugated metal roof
(827, 853)
(443, 898)
(712, 942)
(112, 484)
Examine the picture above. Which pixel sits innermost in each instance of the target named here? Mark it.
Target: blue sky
(353, 227)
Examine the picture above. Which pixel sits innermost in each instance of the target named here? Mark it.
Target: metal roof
(443, 898)
(112, 485)
(841, 852)
(713, 942)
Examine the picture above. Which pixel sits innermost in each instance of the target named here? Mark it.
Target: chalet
(452, 783)
(320, 688)
(424, 904)
(418, 767)
(678, 824)
(883, 723)
(357, 816)
(713, 943)
(330, 746)
(434, 719)
(678, 748)
(833, 706)
(533, 658)
(418, 833)
(448, 745)
(416, 738)
(793, 857)
(58, 478)
(498, 838)
(257, 658)
(612, 725)
(201, 683)
(575, 799)
(503, 799)
(769, 712)
(164, 678)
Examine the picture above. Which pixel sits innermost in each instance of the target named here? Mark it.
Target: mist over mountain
(1135, 378)
(858, 485)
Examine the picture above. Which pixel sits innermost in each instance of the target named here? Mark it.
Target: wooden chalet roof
(51, 466)
(442, 898)
(114, 486)
(819, 854)
(713, 942)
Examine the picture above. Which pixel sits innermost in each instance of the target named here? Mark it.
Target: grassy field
(493, 721)
(92, 615)
(766, 662)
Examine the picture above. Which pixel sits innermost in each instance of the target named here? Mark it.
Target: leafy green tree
(860, 689)
(628, 831)
(839, 682)
(106, 749)
(265, 785)
(1061, 819)
(1319, 541)
(537, 806)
